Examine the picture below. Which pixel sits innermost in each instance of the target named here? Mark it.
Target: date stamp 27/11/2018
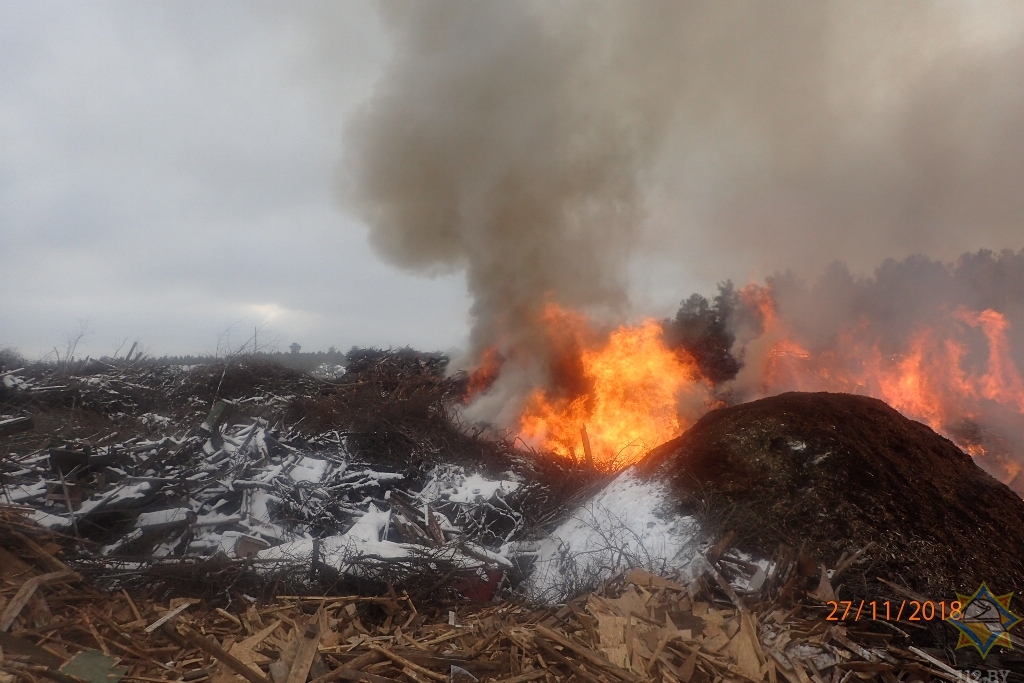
(982, 620)
(887, 610)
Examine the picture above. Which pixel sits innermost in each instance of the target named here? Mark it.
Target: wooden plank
(16, 425)
(346, 674)
(211, 648)
(252, 641)
(523, 678)
(587, 452)
(308, 645)
(588, 654)
(167, 617)
(398, 659)
(25, 593)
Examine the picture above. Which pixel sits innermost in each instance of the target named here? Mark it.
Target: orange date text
(887, 610)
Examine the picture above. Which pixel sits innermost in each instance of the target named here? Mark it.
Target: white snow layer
(363, 539)
(451, 483)
(476, 489)
(629, 523)
(309, 469)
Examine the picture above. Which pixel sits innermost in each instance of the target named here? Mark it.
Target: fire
(485, 374)
(1002, 383)
(928, 377)
(625, 392)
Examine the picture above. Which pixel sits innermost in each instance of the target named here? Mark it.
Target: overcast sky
(166, 172)
(169, 171)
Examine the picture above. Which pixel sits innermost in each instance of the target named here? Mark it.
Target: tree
(702, 328)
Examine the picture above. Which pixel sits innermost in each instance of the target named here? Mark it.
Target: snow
(258, 505)
(363, 539)
(482, 552)
(15, 494)
(328, 371)
(215, 519)
(172, 516)
(309, 470)
(154, 420)
(370, 526)
(45, 519)
(134, 491)
(451, 483)
(477, 489)
(627, 524)
(11, 382)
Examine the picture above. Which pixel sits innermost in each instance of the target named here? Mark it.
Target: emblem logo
(984, 621)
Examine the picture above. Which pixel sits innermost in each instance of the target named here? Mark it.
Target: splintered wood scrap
(307, 651)
(229, 616)
(25, 593)
(257, 638)
(673, 634)
(585, 652)
(346, 674)
(167, 617)
(214, 650)
(397, 659)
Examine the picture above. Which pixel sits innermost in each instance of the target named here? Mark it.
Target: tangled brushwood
(247, 478)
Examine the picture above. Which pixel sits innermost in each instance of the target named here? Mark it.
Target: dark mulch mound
(835, 472)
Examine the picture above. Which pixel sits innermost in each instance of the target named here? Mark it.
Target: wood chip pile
(639, 627)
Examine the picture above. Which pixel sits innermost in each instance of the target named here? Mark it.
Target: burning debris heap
(941, 343)
(760, 514)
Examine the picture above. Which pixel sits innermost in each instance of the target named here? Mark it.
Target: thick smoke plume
(537, 146)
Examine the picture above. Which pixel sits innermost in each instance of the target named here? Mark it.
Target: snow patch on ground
(629, 523)
(362, 540)
(477, 488)
(312, 470)
(154, 420)
(451, 483)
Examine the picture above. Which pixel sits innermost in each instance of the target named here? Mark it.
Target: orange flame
(927, 379)
(631, 392)
(484, 375)
(1002, 383)
(627, 397)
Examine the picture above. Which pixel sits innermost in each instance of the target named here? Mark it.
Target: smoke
(508, 141)
(538, 146)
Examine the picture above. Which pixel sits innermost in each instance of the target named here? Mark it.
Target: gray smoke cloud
(538, 145)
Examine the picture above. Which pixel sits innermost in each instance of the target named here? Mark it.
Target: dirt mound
(836, 472)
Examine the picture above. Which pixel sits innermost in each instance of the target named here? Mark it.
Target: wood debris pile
(640, 627)
(191, 479)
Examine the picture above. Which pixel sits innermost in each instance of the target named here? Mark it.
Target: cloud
(167, 168)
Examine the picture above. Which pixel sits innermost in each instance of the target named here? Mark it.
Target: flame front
(932, 376)
(631, 392)
(926, 379)
(633, 385)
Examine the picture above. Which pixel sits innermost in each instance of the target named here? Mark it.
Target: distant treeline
(304, 361)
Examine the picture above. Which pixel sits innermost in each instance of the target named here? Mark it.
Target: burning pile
(620, 397)
(605, 396)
